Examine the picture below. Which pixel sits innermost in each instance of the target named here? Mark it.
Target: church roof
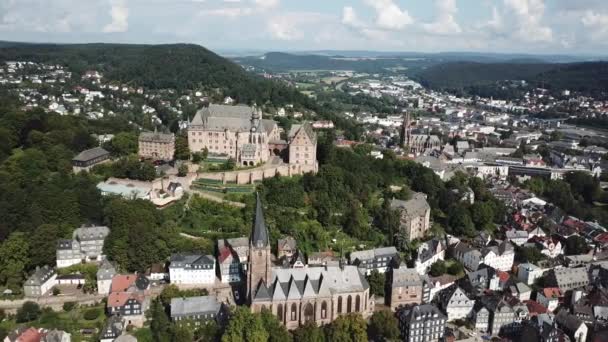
(259, 236)
(233, 118)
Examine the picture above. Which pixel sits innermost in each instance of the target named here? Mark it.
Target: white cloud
(229, 12)
(445, 23)
(120, 17)
(266, 3)
(528, 17)
(388, 15)
(350, 18)
(597, 24)
(289, 26)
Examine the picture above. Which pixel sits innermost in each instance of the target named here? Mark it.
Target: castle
(299, 295)
(240, 133)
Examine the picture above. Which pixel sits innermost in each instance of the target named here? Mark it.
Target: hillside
(590, 77)
(178, 66)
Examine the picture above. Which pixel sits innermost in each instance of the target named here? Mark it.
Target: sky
(507, 26)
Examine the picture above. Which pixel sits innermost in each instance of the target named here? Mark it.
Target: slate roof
(403, 276)
(416, 206)
(297, 283)
(259, 236)
(156, 137)
(306, 127)
(40, 276)
(106, 271)
(90, 154)
(194, 306)
(428, 249)
(374, 253)
(232, 118)
(424, 311)
(91, 233)
(190, 260)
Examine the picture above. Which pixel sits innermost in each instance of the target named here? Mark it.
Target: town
(517, 255)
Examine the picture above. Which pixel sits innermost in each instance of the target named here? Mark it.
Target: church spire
(259, 236)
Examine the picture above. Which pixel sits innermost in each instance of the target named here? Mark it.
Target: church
(240, 132)
(299, 295)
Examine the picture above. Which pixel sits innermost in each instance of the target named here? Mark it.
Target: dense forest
(588, 78)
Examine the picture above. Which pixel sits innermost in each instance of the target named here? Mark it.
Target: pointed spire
(259, 236)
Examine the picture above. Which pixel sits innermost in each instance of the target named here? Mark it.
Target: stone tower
(260, 266)
(406, 130)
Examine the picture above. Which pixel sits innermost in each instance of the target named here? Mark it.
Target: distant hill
(178, 66)
(588, 77)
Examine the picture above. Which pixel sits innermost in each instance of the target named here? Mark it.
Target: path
(218, 199)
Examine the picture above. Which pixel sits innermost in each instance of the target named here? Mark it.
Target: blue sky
(522, 26)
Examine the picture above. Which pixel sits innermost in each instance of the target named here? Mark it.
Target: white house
(455, 303)
(528, 273)
(518, 237)
(499, 257)
(192, 269)
(428, 253)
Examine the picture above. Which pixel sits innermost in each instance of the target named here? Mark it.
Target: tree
(383, 326)
(455, 268)
(13, 260)
(182, 333)
(376, 282)
(159, 324)
(276, 330)
(348, 328)
(309, 332)
(43, 243)
(556, 135)
(182, 152)
(576, 245)
(438, 268)
(482, 214)
(245, 326)
(123, 144)
(460, 222)
(229, 165)
(30, 311)
(182, 171)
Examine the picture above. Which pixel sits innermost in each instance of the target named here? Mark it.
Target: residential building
(549, 297)
(302, 142)
(568, 278)
(113, 328)
(86, 159)
(24, 334)
(502, 315)
(326, 258)
(520, 291)
(286, 247)
(192, 311)
(230, 265)
(300, 295)
(455, 303)
(378, 259)
(128, 298)
(477, 282)
(86, 246)
(499, 257)
(429, 252)
(57, 336)
(415, 216)
(40, 282)
(192, 269)
(572, 326)
(518, 237)
(105, 273)
(422, 323)
(528, 273)
(436, 285)
(240, 246)
(405, 287)
(157, 146)
(481, 317)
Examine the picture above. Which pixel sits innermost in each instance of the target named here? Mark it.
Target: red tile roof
(224, 253)
(503, 276)
(535, 308)
(552, 292)
(30, 335)
(121, 282)
(118, 299)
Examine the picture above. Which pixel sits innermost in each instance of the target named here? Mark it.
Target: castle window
(349, 304)
(339, 305)
(324, 310)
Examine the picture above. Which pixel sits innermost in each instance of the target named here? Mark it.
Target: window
(339, 305)
(309, 313)
(349, 304)
(324, 310)
(294, 310)
(357, 304)
(280, 312)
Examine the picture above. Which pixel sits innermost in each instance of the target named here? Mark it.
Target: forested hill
(585, 77)
(178, 66)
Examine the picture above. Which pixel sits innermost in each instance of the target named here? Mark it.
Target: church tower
(406, 130)
(259, 266)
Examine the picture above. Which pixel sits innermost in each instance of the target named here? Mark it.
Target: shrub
(56, 291)
(30, 311)
(91, 315)
(69, 306)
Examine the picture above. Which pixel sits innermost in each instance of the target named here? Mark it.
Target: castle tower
(259, 265)
(406, 130)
